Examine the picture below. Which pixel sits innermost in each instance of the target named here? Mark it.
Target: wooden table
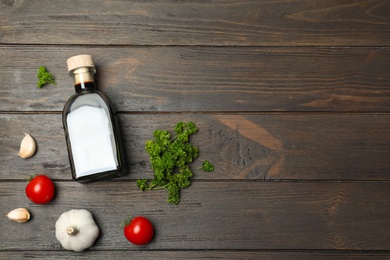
(292, 101)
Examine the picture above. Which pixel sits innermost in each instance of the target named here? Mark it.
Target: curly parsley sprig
(169, 158)
(207, 166)
(44, 77)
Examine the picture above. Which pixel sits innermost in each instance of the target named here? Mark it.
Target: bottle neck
(83, 79)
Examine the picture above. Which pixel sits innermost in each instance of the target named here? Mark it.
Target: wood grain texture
(205, 79)
(197, 254)
(213, 216)
(202, 22)
(291, 98)
(244, 146)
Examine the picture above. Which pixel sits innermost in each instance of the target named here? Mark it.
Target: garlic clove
(27, 147)
(20, 215)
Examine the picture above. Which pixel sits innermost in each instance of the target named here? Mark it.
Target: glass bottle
(92, 131)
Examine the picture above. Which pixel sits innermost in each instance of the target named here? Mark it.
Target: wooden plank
(242, 146)
(213, 216)
(205, 79)
(213, 254)
(254, 23)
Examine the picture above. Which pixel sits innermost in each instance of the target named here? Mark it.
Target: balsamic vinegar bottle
(92, 131)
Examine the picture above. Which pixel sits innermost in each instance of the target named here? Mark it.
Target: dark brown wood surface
(244, 146)
(292, 101)
(206, 79)
(197, 22)
(240, 216)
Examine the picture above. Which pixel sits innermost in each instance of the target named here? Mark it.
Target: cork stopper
(79, 61)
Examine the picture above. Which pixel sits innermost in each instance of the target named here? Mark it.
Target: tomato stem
(126, 222)
(31, 177)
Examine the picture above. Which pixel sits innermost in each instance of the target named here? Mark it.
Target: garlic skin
(27, 147)
(76, 230)
(19, 215)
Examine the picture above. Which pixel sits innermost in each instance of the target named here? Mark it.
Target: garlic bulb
(76, 230)
(27, 147)
(20, 215)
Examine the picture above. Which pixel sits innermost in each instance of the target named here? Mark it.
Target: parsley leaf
(44, 77)
(207, 166)
(169, 158)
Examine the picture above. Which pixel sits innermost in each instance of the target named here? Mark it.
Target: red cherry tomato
(140, 231)
(40, 189)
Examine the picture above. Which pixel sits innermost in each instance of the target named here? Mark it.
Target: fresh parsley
(169, 159)
(207, 166)
(44, 77)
